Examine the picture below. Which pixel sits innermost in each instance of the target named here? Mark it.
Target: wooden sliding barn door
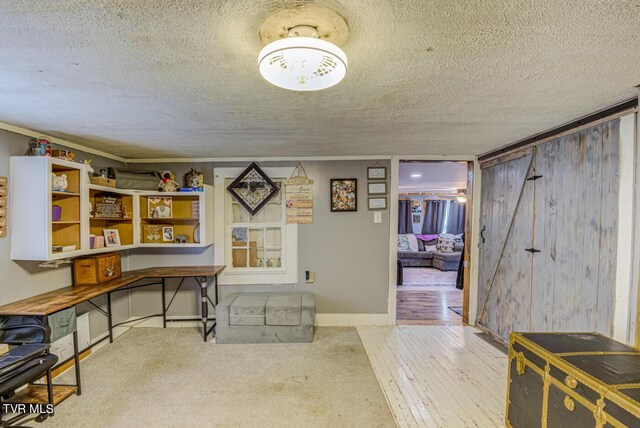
(506, 219)
(576, 231)
(549, 224)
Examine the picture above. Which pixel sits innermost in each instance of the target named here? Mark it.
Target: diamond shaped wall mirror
(253, 189)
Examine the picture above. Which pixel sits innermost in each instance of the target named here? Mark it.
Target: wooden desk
(63, 298)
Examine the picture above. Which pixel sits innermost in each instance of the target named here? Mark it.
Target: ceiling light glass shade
(302, 63)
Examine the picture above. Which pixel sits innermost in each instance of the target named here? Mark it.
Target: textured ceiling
(434, 176)
(153, 78)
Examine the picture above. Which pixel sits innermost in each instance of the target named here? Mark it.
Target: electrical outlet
(310, 277)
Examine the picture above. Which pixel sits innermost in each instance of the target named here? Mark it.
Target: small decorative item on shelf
(103, 181)
(111, 237)
(39, 147)
(63, 154)
(99, 242)
(59, 182)
(56, 212)
(126, 215)
(92, 242)
(196, 234)
(159, 207)
(107, 206)
(195, 209)
(168, 182)
(152, 234)
(167, 234)
(181, 239)
(194, 179)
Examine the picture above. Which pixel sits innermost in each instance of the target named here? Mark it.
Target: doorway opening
(434, 219)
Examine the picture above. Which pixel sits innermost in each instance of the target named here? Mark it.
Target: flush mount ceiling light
(301, 52)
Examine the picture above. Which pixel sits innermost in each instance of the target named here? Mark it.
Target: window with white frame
(258, 249)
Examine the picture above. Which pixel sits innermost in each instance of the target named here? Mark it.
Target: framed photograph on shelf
(377, 204)
(167, 234)
(111, 237)
(377, 188)
(377, 173)
(344, 194)
(160, 207)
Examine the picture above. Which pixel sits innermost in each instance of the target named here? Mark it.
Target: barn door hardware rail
(534, 177)
(532, 250)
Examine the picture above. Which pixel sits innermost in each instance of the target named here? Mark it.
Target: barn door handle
(484, 228)
(532, 250)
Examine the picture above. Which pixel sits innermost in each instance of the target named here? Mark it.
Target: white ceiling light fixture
(302, 61)
(416, 175)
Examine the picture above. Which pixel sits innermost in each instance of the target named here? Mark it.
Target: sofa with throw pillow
(440, 251)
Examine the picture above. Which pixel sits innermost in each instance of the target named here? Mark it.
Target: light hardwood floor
(438, 376)
(428, 305)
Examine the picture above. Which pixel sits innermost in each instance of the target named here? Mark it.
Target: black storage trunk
(580, 380)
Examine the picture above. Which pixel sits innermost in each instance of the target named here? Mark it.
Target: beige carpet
(151, 377)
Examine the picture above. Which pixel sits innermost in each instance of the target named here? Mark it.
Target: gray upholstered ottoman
(265, 318)
(447, 261)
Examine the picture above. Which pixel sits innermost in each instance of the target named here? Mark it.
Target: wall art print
(253, 189)
(344, 194)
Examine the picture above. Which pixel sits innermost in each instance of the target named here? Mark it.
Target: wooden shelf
(37, 394)
(59, 192)
(169, 219)
(65, 222)
(125, 220)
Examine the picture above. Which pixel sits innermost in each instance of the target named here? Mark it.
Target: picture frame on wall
(416, 218)
(378, 203)
(377, 173)
(344, 194)
(111, 237)
(377, 188)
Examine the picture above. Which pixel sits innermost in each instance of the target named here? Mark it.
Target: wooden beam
(627, 107)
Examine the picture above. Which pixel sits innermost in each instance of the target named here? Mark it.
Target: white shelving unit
(34, 233)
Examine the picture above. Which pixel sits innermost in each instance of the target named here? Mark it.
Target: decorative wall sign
(107, 205)
(253, 189)
(4, 189)
(377, 172)
(299, 197)
(344, 194)
(377, 188)
(416, 218)
(377, 204)
(416, 206)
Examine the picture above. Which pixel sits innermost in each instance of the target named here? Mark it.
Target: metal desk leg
(205, 307)
(164, 304)
(109, 319)
(215, 284)
(76, 359)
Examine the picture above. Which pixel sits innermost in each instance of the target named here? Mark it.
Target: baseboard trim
(349, 320)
